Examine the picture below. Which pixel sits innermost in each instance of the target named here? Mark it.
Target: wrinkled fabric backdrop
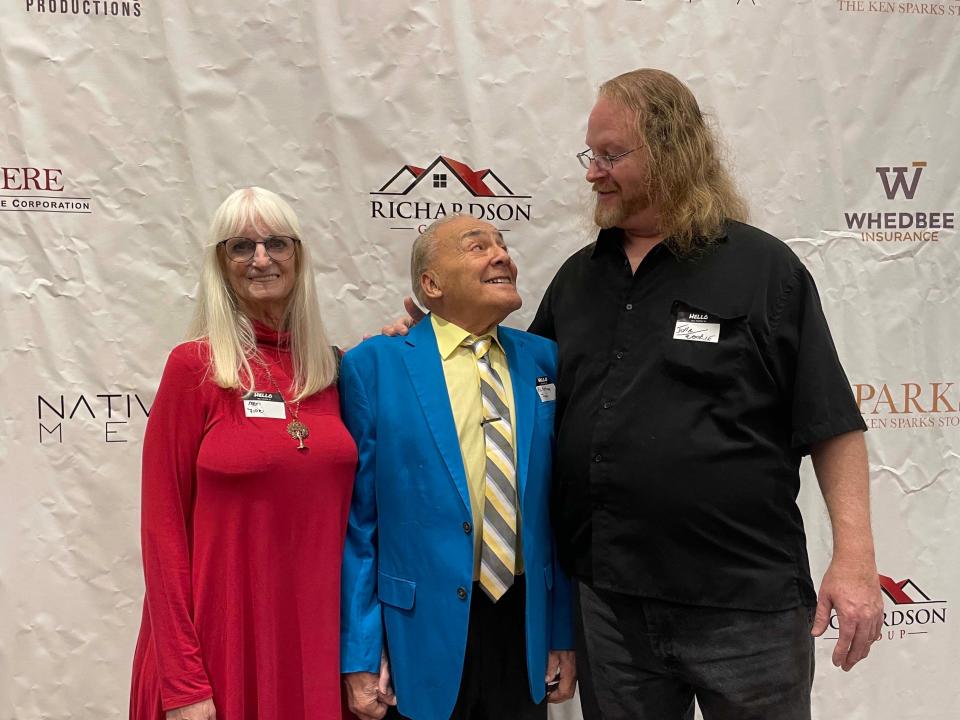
(124, 124)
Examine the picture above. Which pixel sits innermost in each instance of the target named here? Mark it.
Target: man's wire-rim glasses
(603, 162)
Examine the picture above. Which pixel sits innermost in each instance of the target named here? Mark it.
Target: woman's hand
(203, 710)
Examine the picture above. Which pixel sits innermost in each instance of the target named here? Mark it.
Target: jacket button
(619, 356)
(598, 458)
(462, 592)
(467, 527)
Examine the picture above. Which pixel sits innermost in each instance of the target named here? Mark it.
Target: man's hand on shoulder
(851, 588)
(401, 326)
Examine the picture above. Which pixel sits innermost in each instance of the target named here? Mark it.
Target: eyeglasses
(603, 162)
(240, 249)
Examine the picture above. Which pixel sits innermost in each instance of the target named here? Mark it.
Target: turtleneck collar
(266, 335)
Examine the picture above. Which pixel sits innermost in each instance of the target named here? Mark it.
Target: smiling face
(471, 280)
(262, 285)
(622, 192)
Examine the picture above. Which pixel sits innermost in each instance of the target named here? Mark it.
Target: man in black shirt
(696, 370)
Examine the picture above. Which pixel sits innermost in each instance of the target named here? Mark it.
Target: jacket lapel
(422, 358)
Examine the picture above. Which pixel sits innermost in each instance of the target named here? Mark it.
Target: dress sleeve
(805, 362)
(170, 446)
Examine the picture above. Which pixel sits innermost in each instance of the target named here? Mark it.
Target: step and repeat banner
(125, 123)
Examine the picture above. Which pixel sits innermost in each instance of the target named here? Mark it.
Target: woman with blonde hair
(247, 476)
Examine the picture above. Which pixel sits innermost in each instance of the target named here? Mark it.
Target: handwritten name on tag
(695, 326)
(546, 389)
(264, 405)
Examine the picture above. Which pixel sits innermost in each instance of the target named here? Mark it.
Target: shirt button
(629, 306)
(619, 356)
(597, 458)
(462, 592)
(467, 527)
(607, 404)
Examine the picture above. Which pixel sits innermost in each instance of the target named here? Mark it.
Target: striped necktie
(498, 553)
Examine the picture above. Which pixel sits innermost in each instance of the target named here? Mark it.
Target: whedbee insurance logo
(38, 189)
(103, 8)
(900, 184)
(908, 611)
(414, 196)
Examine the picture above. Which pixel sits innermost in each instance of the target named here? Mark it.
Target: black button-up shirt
(687, 394)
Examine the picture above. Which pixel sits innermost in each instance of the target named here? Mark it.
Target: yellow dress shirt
(463, 386)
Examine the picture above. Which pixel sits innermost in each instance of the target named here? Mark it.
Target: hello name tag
(264, 405)
(696, 326)
(546, 389)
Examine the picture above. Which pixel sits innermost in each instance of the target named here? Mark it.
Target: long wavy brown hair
(689, 185)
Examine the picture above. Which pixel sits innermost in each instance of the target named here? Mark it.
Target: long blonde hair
(689, 185)
(220, 321)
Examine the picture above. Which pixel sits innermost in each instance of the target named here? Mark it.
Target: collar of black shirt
(610, 240)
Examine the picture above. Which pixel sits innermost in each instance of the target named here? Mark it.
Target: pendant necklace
(295, 429)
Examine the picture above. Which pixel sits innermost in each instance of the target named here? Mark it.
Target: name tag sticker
(546, 389)
(264, 405)
(696, 326)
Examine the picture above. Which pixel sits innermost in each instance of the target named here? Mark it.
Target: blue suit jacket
(408, 555)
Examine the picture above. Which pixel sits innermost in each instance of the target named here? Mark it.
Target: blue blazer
(408, 559)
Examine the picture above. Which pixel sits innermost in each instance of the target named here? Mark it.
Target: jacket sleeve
(361, 622)
(170, 446)
(561, 634)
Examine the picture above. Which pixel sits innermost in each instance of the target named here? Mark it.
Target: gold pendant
(298, 431)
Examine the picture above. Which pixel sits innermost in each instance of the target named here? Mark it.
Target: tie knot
(479, 345)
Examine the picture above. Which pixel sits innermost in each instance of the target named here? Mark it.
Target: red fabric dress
(242, 544)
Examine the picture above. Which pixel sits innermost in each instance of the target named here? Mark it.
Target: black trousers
(644, 659)
(494, 684)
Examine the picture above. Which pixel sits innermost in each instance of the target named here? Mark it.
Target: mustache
(601, 188)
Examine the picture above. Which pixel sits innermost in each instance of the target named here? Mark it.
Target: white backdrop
(124, 124)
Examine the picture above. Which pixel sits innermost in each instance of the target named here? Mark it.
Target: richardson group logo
(882, 7)
(416, 196)
(38, 189)
(909, 405)
(908, 611)
(900, 183)
(107, 8)
(104, 416)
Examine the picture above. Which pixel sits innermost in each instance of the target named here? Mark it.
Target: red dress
(242, 544)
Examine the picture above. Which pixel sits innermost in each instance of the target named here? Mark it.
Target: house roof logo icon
(479, 183)
(904, 592)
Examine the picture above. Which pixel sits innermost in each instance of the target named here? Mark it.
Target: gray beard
(608, 217)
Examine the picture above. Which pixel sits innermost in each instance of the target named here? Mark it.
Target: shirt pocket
(711, 366)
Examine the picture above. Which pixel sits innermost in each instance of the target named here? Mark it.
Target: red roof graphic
(896, 590)
(473, 179)
(476, 181)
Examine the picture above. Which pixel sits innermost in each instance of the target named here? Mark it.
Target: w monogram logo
(900, 180)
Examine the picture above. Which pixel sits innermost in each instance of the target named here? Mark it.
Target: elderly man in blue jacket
(450, 577)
